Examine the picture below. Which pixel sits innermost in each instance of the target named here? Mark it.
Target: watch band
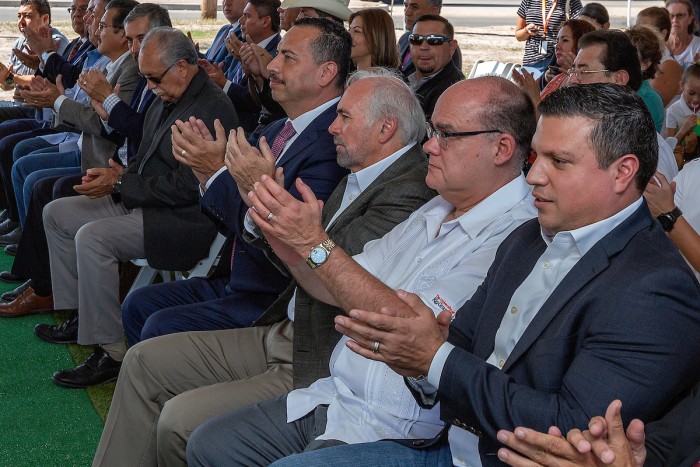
(323, 250)
(668, 219)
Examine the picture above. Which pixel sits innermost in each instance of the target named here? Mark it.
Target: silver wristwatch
(320, 253)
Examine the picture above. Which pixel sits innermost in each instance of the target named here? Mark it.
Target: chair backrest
(491, 68)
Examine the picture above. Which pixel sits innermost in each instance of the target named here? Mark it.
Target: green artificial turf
(41, 424)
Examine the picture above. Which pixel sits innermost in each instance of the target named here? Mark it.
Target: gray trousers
(171, 384)
(87, 238)
(257, 435)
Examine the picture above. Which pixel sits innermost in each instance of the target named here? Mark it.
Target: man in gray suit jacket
(154, 213)
(252, 364)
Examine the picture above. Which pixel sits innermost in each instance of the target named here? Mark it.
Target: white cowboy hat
(337, 8)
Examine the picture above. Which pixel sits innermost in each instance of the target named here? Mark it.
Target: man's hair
(268, 8)
(435, 3)
(659, 16)
(689, 6)
(41, 6)
(392, 99)
(596, 11)
(510, 111)
(332, 45)
(693, 71)
(618, 54)
(622, 123)
(157, 15)
(447, 27)
(649, 45)
(123, 8)
(172, 44)
(379, 35)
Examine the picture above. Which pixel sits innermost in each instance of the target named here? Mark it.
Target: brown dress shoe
(26, 303)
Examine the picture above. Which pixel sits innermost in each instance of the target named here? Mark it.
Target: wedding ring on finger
(183, 153)
(375, 347)
(269, 217)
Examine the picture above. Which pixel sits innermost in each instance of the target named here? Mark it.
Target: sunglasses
(431, 39)
(157, 79)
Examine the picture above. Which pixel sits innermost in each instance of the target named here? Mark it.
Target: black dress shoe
(13, 294)
(64, 333)
(9, 278)
(7, 226)
(11, 237)
(99, 368)
(12, 249)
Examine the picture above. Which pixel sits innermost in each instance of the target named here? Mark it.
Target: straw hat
(337, 8)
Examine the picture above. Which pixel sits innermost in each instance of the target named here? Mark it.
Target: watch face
(666, 222)
(318, 255)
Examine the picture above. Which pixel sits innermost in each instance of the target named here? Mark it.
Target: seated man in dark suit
(587, 303)
(432, 44)
(153, 213)
(246, 283)
(673, 440)
(386, 185)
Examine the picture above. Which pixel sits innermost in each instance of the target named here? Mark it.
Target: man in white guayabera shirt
(442, 252)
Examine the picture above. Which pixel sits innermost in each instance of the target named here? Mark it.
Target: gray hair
(172, 44)
(393, 99)
(157, 15)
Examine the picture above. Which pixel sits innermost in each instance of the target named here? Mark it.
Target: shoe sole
(25, 313)
(7, 281)
(55, 341)
(80, 386)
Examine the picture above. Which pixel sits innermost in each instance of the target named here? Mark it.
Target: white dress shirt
(688, 195)
(443, 262)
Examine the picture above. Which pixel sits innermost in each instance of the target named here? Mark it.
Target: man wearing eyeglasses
(441, 252)
(152, 211)
(432, 45)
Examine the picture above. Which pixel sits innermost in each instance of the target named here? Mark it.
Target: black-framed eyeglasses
(80, 10)
(431, 39)
(157, 79)
(102, 25)
(442, 136)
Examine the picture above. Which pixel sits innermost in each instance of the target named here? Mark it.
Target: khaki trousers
(169, 385)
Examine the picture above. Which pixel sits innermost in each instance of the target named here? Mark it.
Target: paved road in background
(478, 13)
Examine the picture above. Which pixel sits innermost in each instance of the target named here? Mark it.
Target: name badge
(544, 45)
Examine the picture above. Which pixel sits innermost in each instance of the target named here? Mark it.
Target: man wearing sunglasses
(432, 45)
(414, 9)
(152, 211)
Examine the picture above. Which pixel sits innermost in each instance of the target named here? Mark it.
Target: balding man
(568, 317)
(441, 252)
(377, 129)
(156, 215)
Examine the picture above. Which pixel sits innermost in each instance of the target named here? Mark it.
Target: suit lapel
(309, 135)
(594, 262)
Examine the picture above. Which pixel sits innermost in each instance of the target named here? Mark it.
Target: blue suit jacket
(220, 53)
(254, 282)
(622, 324)
(247, 109)
(69, 70)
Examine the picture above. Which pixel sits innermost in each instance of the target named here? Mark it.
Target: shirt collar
(302, 121)
(366, 176)
(263, 43)
(588, 235)
(117, 63)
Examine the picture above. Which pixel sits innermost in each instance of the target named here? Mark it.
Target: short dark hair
(41, 6)
(157, 15)
(659, 16)
(619, 53)
(511, 111)
(268, 8)
(596, 11)
(693, 71)
(448, 29)
(123, 8)
(622, 123)
(332, 45)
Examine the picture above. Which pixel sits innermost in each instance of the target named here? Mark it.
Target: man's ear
(626, 168)
(329, 71)
(505, 149)
(622, 77)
